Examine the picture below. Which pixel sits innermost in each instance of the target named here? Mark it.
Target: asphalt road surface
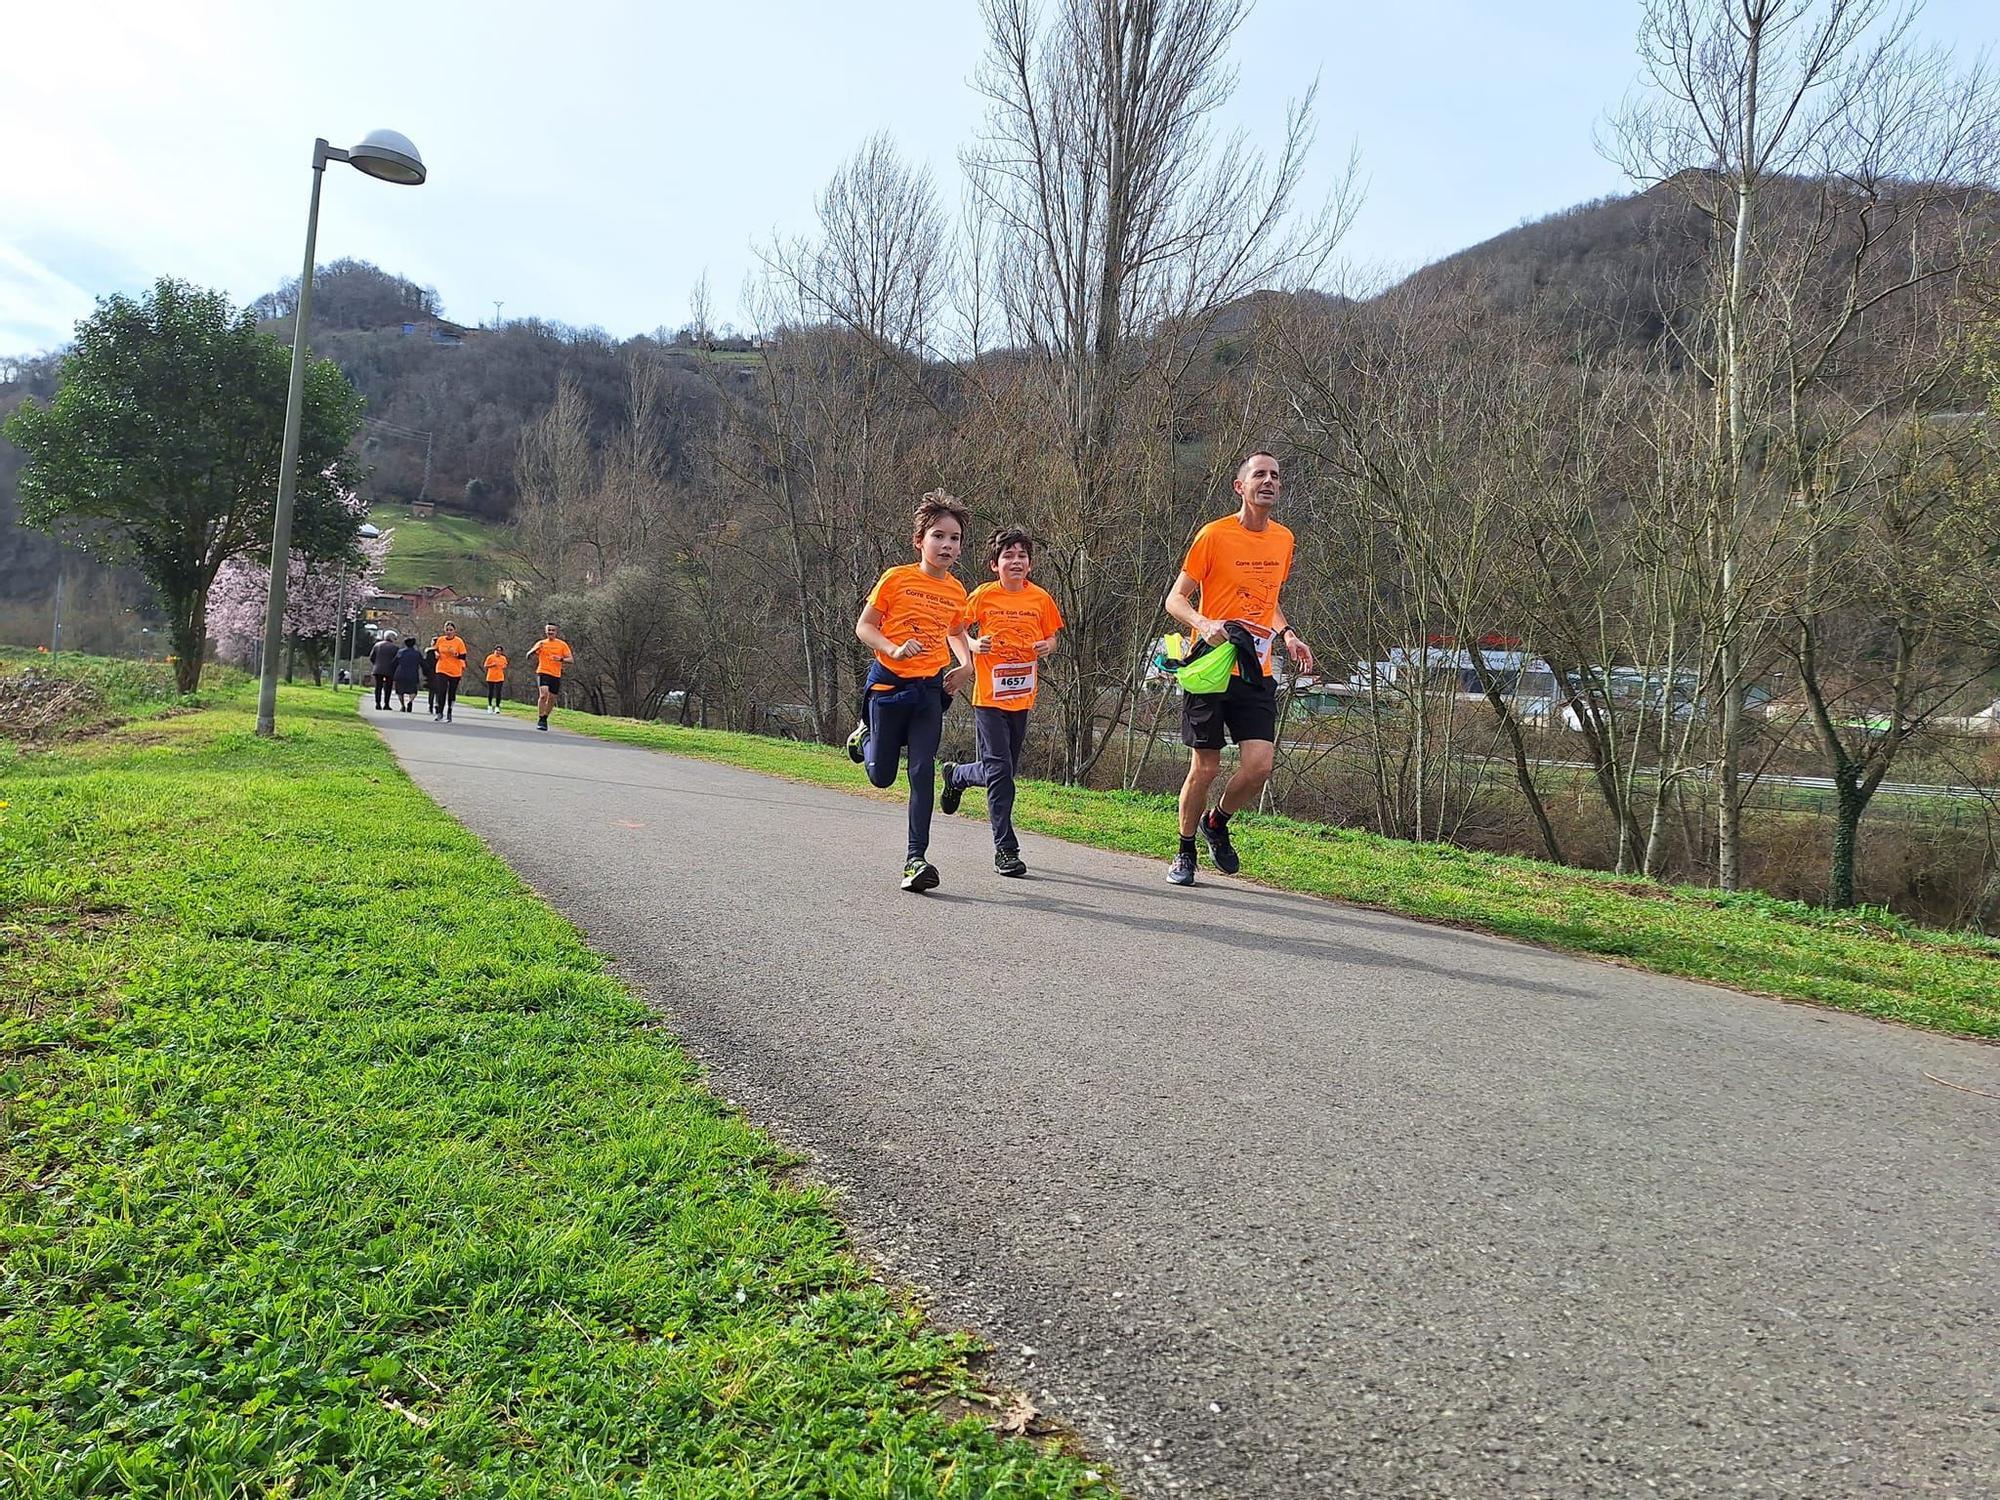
(1266, 1196)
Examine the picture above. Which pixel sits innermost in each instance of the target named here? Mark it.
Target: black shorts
(550, 681)
(1247, 712)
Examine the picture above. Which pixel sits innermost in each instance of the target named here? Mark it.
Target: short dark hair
(1005, 537)
(1254, 453)
(934, 507)
(409, 640)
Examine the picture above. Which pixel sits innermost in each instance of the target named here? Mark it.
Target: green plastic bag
(1209, 672)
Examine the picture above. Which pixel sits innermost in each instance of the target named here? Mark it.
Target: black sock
(1187, 843)
(1217, 818)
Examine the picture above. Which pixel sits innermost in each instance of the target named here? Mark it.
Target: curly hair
(1005, 537)
(934, 507)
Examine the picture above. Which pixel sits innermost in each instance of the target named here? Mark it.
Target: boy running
(551, 654)
(1237, 564)
(912, 624)
(451, 654)
(1016, 623)
(496, 678)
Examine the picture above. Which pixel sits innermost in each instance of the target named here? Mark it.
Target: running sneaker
(1008, 862)
(919, 874)
(1181, 871)
(857, 743)
(1216, 836)
(542, 724)
(949, 796)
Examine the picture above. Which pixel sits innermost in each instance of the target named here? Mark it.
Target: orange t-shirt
(451, 652)
(912, 603)
(496, 667)
(1009, 674)
(549, 656)
(1240, 572)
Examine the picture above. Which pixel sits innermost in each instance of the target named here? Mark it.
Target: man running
(551, 654)
(1237, 564)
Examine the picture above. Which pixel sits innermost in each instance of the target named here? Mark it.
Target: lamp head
(389, 155)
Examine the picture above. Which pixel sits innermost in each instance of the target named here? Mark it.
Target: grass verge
(336, 1164)
(1867, 960)
(45, 698)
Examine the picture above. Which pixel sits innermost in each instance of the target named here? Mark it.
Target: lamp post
(390, 157)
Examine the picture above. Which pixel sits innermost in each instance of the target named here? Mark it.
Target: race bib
(1014, 679)
(1263, 638)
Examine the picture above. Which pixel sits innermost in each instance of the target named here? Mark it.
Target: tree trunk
(1523, 773)
(1849, 804)
(187, 629)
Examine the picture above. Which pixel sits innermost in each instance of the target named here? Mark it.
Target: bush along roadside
(337, 1164)
(1865, 960)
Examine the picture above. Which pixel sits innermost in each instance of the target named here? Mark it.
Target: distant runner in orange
(496, 678)
(551, 654)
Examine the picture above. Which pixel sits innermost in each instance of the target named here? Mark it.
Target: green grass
(1866, 960)
(337, 1165)
(467, 554)
(113, 688)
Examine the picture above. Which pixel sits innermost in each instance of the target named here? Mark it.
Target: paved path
(1391, 1210)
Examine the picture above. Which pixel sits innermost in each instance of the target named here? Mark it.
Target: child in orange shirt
(912, 624)
(496, 678)
(1017, 622)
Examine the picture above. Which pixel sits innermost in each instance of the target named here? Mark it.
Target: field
(467, 554)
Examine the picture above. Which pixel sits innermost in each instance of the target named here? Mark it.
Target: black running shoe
(949, 796)
(542, 724)
(857, 743)
(1181, 871)
(919, 874)
(1008, 862)
(1216, 835)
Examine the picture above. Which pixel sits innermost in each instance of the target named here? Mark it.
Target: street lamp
(391, 157)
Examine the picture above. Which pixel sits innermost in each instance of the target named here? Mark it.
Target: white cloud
(38, 307)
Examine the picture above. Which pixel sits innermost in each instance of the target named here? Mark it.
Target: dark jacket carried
(1247, 661)
(382, 660)
(409, 667)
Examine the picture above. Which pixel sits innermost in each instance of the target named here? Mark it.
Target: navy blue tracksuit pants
(1002, 732)
(906, 715)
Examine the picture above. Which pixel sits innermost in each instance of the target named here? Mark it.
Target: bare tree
(1118, 229)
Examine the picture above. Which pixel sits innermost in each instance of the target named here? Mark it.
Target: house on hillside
(437, 330)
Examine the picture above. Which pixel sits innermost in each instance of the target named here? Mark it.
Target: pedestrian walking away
(1011, 626)
(451, 654)
(409, 672)
(496, 678)
(913, 623)
(1236, 565)
(551, 654)
(382, 665)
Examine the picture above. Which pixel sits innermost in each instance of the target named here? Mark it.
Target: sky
(590, 161)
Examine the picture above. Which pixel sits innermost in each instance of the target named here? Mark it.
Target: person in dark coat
(430, 661)
(409, 671)
(382, 663)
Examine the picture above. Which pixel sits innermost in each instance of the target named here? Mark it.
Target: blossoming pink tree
(318, 595)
